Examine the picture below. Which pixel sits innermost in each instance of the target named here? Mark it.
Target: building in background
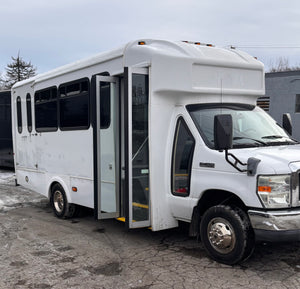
(283, 96)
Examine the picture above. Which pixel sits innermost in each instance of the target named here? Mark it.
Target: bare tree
(282, 64)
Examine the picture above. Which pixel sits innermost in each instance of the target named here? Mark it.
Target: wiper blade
(272, 136)
(287, 141)
(256, 140)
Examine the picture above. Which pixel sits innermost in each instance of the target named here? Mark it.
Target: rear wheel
(59, 203)
(226, 234)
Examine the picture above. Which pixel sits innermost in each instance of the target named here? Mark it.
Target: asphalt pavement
(40, 251)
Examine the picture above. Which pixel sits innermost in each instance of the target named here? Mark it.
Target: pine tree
(18, 70)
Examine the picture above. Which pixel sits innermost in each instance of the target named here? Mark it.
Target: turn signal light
(265, 189)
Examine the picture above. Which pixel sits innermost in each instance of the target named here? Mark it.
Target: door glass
(140, 148)
(107, 147)
(182, 159)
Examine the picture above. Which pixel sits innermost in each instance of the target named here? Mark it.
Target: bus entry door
(137, 156)
(107, 100)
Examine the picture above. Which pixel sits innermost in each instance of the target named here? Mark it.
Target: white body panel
(179, 74)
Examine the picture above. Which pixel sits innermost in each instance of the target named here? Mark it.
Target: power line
(266, 47)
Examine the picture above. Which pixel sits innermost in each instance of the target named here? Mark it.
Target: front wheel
(59, 203)
(226, 234)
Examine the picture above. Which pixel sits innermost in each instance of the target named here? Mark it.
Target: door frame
(130, 223)
(116, 108)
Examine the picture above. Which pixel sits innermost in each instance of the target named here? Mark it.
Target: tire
(226, 234)
(250, 244)
(59, 203)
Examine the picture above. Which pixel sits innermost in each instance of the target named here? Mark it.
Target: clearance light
(209, 45)
(142, 43)
(74, 189)
(197, 43)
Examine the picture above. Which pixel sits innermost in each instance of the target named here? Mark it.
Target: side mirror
(287, 123)
(223, 131)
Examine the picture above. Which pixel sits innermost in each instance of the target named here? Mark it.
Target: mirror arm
(251, 164)
(236, 161)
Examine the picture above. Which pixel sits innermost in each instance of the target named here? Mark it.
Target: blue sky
(56, 32)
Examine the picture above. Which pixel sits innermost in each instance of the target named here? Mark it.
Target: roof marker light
(142, 43)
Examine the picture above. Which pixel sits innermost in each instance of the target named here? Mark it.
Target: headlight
(274, 191)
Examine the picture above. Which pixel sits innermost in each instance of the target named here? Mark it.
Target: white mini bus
(158, 132)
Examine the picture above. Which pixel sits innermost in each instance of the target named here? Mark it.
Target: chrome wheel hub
(58, 201)
(221, 235)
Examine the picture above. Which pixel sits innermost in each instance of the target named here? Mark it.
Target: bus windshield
(252, 126)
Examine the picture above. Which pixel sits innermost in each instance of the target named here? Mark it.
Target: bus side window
(45, 103)
(19, 114)
(74, 107)
(29, 112)
(182, 158)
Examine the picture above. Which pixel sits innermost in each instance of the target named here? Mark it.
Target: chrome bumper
(288, 220)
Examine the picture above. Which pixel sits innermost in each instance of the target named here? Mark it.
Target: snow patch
(12, 197)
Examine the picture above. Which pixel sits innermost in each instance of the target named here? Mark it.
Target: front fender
(239, 184)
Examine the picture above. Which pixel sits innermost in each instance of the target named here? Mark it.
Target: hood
(274, 159)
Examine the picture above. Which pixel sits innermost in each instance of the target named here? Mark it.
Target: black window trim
(107, 123)
(297, 105)
(19, 114)
(29, 112)
(181, 119)
(47, 129)
(65, 84)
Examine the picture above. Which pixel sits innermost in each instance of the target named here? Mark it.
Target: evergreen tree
(18, 70)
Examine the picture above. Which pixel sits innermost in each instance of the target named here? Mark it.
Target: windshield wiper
(256, 140)
(288, 141)
(272, 136)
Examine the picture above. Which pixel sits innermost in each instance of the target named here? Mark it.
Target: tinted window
(46, 110)
(183, 149)
(19, 114)
(29, 114)
(140, 148)
(297, 105)
(105, 105)
(74, 105)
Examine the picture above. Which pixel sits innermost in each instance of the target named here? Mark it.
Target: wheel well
(209, 199)
(50, 188)
(218, 197)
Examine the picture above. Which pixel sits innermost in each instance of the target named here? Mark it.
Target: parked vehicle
(158, 132)
(6, 145)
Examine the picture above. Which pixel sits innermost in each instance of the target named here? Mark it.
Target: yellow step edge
(134, 204)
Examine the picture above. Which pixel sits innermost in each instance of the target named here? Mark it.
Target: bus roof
(143, 51)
